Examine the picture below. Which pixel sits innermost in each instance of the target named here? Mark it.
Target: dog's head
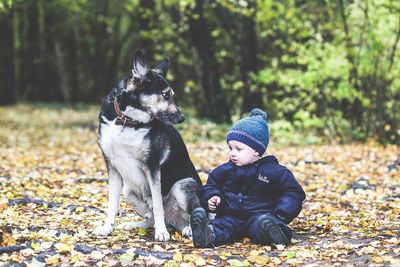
(148, 94)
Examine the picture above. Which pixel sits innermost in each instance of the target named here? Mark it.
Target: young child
(251, 195)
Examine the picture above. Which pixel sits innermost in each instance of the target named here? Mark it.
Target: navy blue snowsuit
(249, 191)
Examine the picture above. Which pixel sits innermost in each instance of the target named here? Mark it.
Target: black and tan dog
(145, 155)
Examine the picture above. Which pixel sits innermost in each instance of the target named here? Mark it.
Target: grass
(193, 130)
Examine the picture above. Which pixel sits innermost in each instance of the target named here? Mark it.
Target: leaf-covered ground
(53, 193)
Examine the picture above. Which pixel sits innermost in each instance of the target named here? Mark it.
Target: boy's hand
(213, 202)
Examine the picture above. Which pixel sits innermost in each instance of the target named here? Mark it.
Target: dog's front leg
(161, 233)
(114, 190)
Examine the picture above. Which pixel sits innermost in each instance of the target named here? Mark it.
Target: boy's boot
(271, 231)
(202, 232)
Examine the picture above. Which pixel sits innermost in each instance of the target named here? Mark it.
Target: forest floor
(53, 191)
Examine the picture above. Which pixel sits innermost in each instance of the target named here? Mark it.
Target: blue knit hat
(252, 131)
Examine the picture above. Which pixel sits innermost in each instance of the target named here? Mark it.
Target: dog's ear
(162, 67)
(140, 65)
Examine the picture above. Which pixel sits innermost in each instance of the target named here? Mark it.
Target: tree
(214, 105)
(239, 23)
(7, 87)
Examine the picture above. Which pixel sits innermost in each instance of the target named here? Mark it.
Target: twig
(11, 249)
(28, 200)
(49, 204)
(91, 180)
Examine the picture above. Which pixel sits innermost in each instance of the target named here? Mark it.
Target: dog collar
(125, 120)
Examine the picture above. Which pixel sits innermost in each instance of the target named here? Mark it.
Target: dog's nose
(181, 118)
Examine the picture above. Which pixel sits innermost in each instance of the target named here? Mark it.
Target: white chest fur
(126, 148)
(117, 141)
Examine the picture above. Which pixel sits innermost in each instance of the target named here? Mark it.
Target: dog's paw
(162, 235)
(187, 231)
(103, 230)
(133, 225)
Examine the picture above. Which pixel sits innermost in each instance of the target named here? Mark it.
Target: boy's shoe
(202, 232)
(271, 231)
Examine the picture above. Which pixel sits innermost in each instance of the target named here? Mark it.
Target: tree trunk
(74, 67)
(98, 58)
(242, 30)
(7, 88)
(248, 64)
(146, 24)
(31, 59)
(214, 105)
(51, 83)
(116, 46)
(357, 108)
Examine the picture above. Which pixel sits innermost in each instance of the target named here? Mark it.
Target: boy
(251, 195)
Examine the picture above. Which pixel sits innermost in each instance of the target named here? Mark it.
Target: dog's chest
(121, 143)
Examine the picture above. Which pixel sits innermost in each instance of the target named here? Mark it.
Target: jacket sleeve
(214, 187)
(289, 202)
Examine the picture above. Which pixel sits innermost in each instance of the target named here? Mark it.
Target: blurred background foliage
(324, 70)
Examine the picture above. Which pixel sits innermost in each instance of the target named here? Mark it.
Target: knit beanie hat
(252, 131)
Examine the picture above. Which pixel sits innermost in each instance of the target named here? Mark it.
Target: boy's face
(241, 154)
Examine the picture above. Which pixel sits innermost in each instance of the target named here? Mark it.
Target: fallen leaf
(36, 263)
(53, 259)
(177, 257)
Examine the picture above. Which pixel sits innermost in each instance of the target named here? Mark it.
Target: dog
(145, 155)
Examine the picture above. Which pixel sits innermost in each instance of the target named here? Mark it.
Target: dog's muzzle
(171, 118)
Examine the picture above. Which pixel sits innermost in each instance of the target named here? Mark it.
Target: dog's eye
(166, 95)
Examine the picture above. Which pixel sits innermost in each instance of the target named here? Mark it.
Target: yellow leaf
(255, 252)
(259, 259)
(79, 209)
(35, 245)
(238, 263)
(177, 257)
(178, 236)
(75, 258)
(189, 258)
(364, 224)
(64, 247)
(53, 259)
(377, 259)
(224, 255)
(64, 222)
(319, 221)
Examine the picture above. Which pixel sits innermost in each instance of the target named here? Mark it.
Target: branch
(91, 180)
(11, 249)
(27, 200)
(344, 20)
(49, 204)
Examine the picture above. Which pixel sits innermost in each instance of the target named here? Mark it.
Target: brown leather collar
(125, 120)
